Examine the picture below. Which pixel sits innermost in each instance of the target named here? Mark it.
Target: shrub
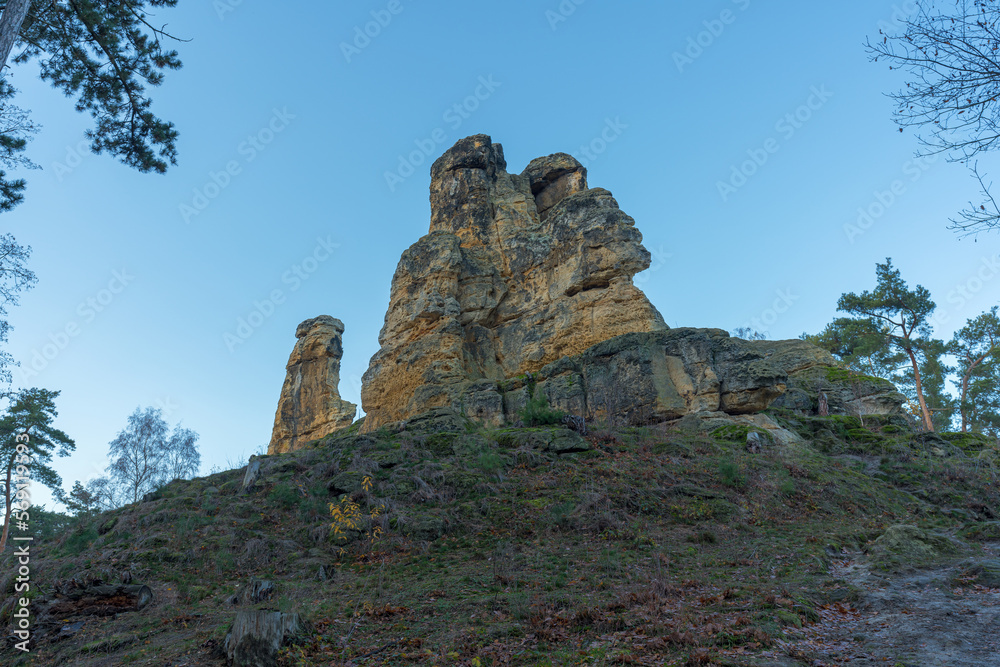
(538, 412)
(79, 540)
(729, 473)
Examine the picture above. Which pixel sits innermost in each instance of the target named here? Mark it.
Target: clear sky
(290, 122)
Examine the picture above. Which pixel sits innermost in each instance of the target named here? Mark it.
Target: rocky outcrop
(661, 376)
(517, 272)
(658, 376)
(813, 371)
(310, 406)
(524, 284)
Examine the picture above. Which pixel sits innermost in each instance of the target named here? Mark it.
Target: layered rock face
(517, 272)
(661, 376)
(310, 406)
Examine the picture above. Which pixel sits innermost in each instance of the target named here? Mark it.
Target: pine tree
(103, 54)
(27, 443)
(897, 317)
(977, 348)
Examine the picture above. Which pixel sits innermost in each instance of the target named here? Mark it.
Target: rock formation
(660, 376)
(524, 284)
(517, 272)
(310, 406)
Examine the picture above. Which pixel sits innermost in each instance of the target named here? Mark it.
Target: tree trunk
(10, 26)
(928, 422)
(961, 405)
(99, 599)
(7, 507)
(256, 636)
(965, 387)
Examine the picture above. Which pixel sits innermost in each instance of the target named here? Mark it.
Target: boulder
(817, 384)
(904, 546)
(659, 376)
(516, 272)
(251, 475)
(310, 406)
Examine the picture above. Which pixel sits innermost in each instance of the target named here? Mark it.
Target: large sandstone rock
(517, 272)
(812, 370)
(310, 406)
(659, 376)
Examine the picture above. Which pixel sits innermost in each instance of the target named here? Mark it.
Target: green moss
(440, 443)
(840, 375)
(732, 433)
(863, 435)
(969, 442)
(986, 531)
(909, 546)
(786, 617)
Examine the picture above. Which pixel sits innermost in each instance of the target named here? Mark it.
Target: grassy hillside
(526, 546)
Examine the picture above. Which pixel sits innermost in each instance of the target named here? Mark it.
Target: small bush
(79, 540)
(704, 537)
(489, 462)
(729, 473)
(538, 413)
(285, 496)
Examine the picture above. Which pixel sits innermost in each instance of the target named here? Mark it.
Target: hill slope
(672, 544)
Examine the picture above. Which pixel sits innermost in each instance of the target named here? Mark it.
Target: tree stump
(253, 472)
(256, 636)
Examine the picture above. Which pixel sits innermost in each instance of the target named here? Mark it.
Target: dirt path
(917, 619)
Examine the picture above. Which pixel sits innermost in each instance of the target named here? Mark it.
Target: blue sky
(744, 137)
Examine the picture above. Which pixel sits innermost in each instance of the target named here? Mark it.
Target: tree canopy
(145, 454)
(31, 414)
(104, 55)
(949, 52)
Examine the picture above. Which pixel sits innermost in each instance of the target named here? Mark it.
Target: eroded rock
(516, 272)
(904, 546)
(310, 406)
